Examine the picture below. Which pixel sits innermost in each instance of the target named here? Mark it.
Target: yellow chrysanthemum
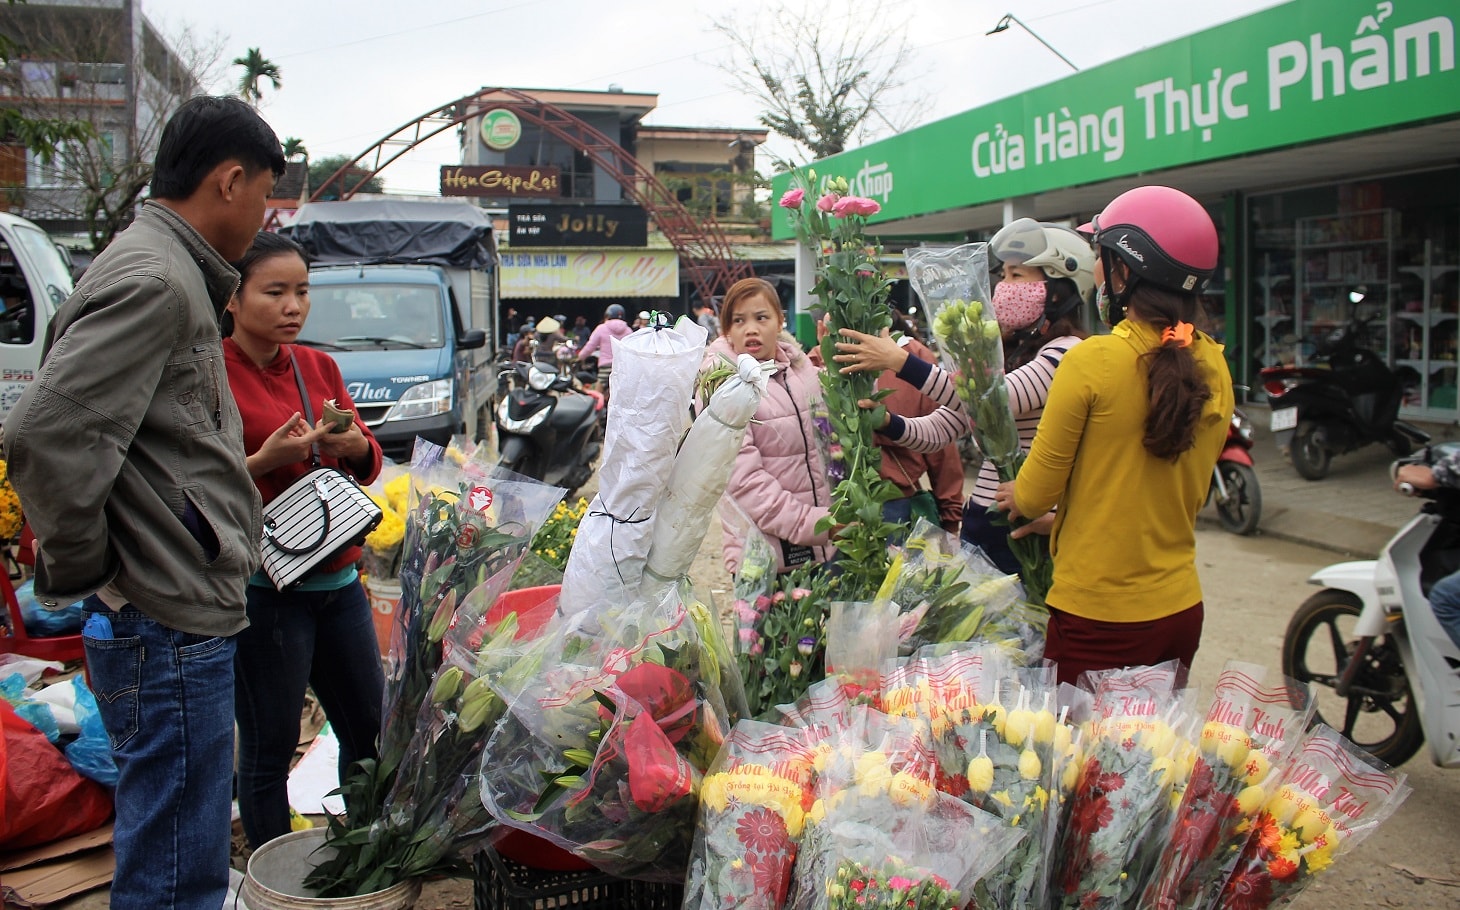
(1251, 799)
(981, 773)
(906, 790)
(1029, 765)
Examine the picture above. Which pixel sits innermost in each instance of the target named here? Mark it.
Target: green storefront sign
(1304, 71)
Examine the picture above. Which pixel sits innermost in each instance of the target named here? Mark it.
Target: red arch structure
(703, 249)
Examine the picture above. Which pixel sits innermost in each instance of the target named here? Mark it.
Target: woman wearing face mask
(1133, 427)
(1048, 274)
(319, 632)
(779, 479)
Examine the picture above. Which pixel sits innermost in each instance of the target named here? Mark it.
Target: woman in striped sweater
(1048, 272)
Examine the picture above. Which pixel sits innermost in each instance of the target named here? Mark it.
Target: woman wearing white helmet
(1048, 276)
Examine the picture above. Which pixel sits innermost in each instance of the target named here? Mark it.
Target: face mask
(1019, 304)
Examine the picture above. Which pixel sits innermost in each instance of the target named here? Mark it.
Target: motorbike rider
(601, 343)
(1048, 274)
(1445, 594)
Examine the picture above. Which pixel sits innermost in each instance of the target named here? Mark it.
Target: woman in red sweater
(318, 632)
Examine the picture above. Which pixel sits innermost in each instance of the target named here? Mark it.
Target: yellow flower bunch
(386, 539)
(10, 516)
(555, 538)
(756, 785)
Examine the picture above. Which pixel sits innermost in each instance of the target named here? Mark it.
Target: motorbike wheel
(1380, 714)
(1310, 458)
(1243, 507)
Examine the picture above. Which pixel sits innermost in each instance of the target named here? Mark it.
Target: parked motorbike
(1234, 482)
(547, 427)
(1349, 401)
(1371, 642)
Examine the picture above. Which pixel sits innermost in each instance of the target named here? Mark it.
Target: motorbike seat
(573, 410)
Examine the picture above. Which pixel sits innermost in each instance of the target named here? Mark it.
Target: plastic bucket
(383, 596)
(276, 873)
(534, 607)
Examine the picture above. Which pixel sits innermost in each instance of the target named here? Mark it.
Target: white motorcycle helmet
(1058, 251)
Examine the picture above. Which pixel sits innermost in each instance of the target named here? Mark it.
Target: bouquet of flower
(1122, 793)
(954, 285)
(467, 526)
(11, 518)
(753, 805)
(780, 634)
(383, 546)
(948, 591)
(603, 749)
(853, 290)
(1251, 727)
(860, 638)
(1331, 796)
(555, 538)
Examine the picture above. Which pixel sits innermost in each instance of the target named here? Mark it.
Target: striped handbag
(319, 515)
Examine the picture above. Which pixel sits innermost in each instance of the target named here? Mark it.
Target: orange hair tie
(1181, 333)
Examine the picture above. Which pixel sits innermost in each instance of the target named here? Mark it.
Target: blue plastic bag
(91, 752)
(41, 622)
(37, 714)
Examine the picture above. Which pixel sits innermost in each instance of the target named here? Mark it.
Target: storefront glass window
(1383, 254)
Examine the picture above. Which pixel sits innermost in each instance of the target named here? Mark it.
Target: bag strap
(324, 530)
(308, 414)
(917, 485)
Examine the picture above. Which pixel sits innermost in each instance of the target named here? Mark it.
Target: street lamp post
(1011, 18)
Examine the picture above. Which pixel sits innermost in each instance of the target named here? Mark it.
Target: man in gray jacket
(127, 452)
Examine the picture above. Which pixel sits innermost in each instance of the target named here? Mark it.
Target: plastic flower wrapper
(860, 637)
(1329, 797)
(1123, 789)
(823, 709)
(923, 855)
(783, 648)
(753, 804)
(433, 813)
(948, 591)
(466, 521)
(602, 751)
(653, 383)
(701, 470)
(954, 284)
(1250, 729)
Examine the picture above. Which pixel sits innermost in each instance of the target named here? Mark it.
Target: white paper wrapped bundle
(701, 470)
(653, 383)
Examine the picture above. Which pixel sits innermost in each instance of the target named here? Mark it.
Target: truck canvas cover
(449, 234)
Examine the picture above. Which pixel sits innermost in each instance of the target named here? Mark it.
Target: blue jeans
(1445, 601)
(164, 697)
(323, 639)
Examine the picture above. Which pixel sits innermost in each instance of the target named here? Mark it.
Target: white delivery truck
(34, 281)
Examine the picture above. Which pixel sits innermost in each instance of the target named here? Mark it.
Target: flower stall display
(953, 283)
(1331, 796)
(780, 628)
(466, 529)
(853, 290)
(602, 751)
(653, 383)
(1251, 729)
(753, 805)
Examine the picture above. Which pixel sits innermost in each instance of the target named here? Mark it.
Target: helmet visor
(1018, 242)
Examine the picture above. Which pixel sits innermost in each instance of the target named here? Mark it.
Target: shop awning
(590, 273)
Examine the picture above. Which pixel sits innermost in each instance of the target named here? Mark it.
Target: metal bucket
(276, 873)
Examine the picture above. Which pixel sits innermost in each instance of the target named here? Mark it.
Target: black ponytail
(1177, 392)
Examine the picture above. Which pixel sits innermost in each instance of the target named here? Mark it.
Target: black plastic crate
(504, 885)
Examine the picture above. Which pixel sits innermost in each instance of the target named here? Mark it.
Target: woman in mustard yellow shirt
(1125, 450)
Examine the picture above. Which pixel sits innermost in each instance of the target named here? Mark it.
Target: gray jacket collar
(220, 277)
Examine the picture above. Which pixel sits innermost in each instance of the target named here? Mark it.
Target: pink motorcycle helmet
(1163, 235)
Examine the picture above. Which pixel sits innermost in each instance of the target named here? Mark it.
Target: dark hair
(205, 132)
(743, 290)
(1176, 390)
(1064, 295)
(266, 245)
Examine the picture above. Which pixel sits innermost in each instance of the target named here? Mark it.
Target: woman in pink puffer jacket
(779, 479)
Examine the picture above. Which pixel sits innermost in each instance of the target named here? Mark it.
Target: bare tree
(125, 93)
(825, 80)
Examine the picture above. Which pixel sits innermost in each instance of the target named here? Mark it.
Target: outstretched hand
(862, 352)
(289, 444)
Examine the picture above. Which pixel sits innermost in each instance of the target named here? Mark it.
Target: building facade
(103, 62)
(1320, 134)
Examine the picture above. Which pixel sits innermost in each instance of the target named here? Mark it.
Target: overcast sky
(354, 72)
